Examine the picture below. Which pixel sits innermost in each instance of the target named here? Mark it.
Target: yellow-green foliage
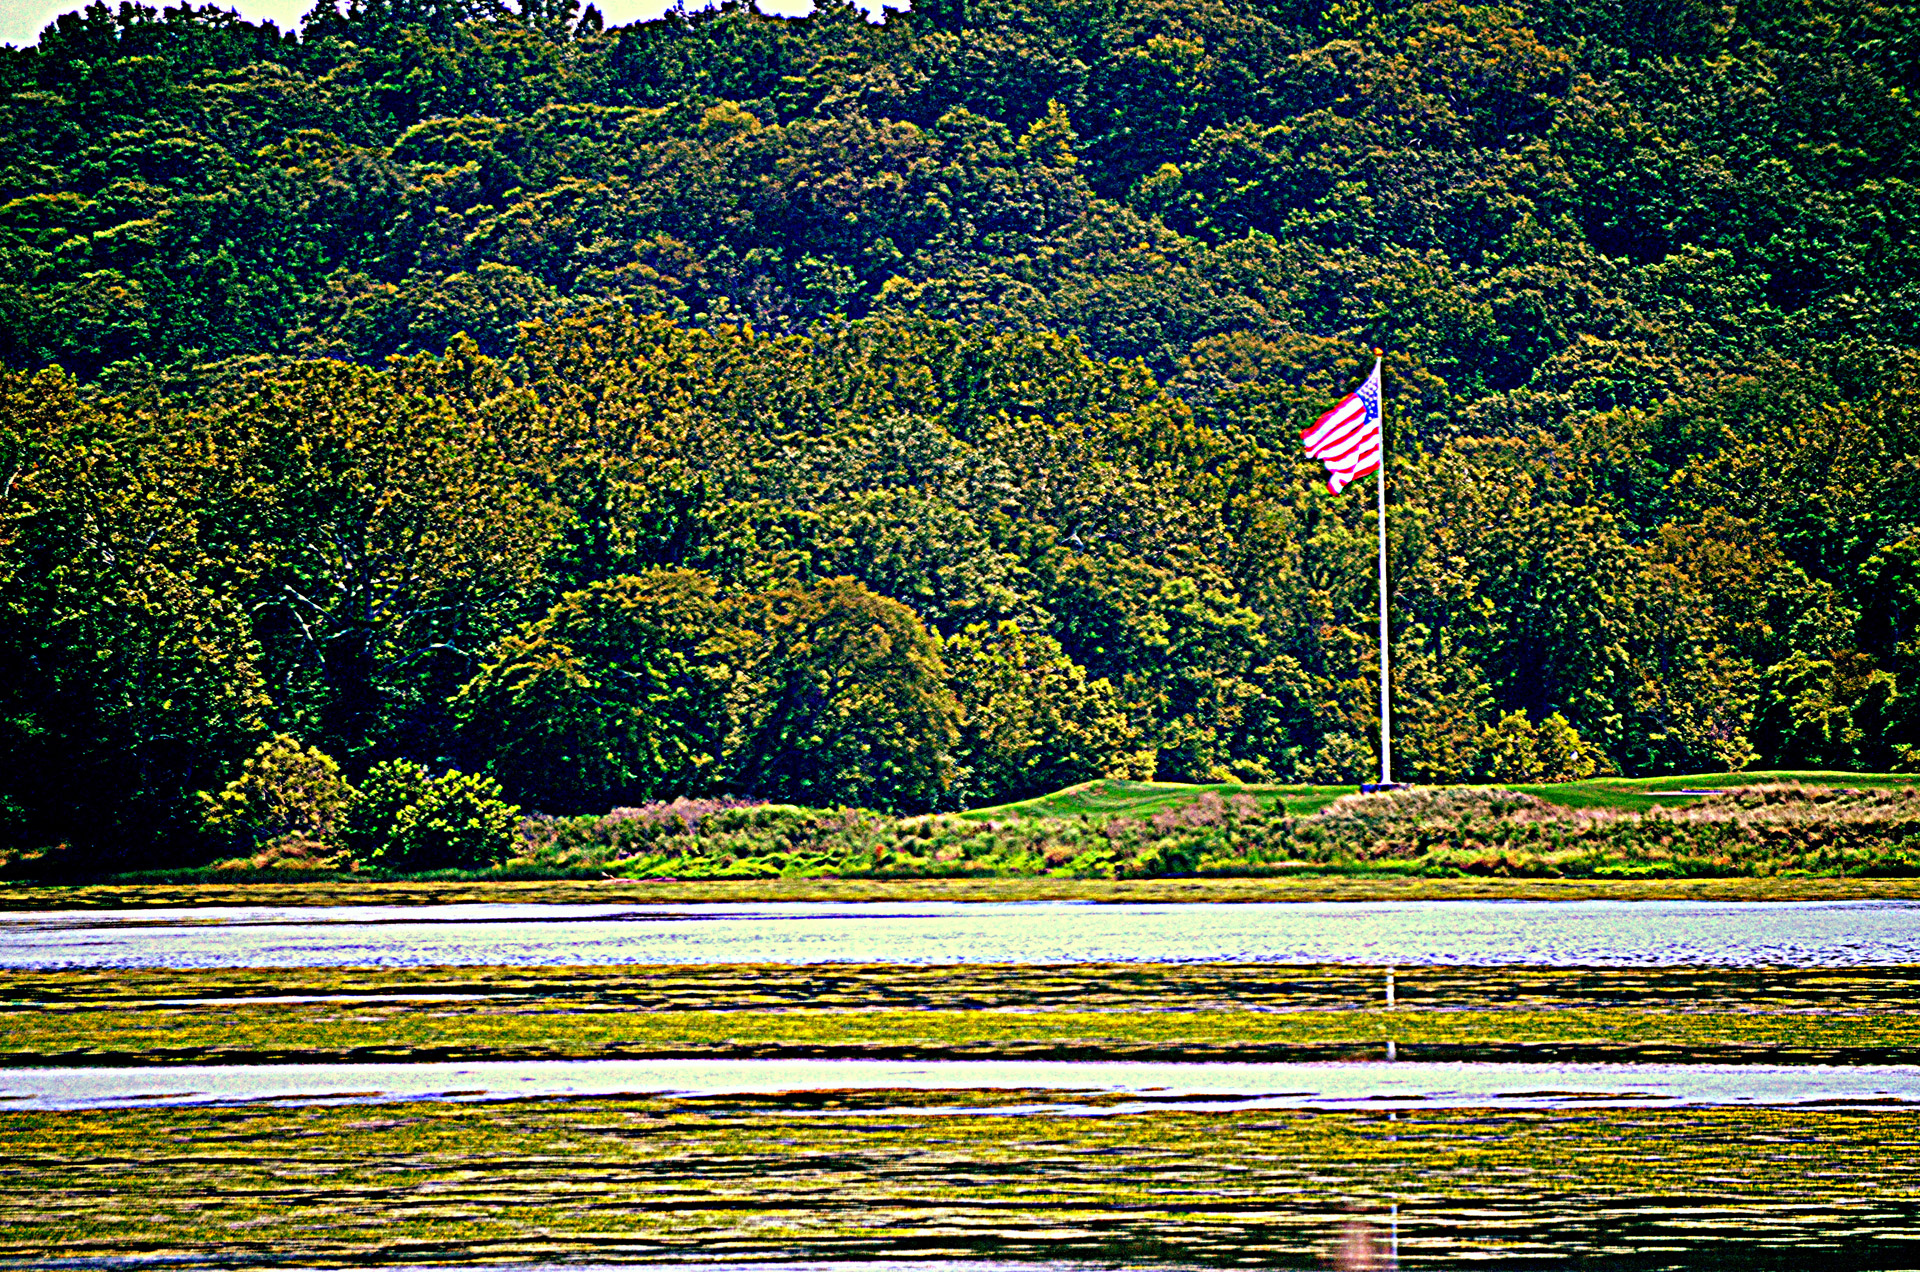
(1034, 721)
(285, 791)
(1514, 749)
(459, 820)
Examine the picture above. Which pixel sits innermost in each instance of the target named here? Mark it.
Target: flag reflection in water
(1366, 1245)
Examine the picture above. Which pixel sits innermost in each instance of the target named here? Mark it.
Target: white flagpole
(1386, 718)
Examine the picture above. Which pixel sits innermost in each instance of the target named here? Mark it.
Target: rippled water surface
(1212, 1086)
(1485, 933)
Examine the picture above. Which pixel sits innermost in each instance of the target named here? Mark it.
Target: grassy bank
(1111, 797)
(1760, 830)
(1744, 836)
(1099, 840)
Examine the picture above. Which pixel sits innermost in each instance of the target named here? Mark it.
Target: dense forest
(905, 414)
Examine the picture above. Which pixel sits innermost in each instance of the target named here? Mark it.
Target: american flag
(1347, 438)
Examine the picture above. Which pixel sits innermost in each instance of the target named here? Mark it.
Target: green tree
(285, 791)
(129, 678)
(1510, 749)
(403, 818)
(1563, 755)
(459, 821)
(843, 700)
(376, 536)
(389, 789)
(620, 695)
(1033, 721)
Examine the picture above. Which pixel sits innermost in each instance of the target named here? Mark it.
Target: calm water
(1238, 1086)
(1484, 933)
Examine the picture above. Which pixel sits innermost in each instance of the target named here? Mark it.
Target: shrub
(389, 788)
(460, 821)
(1518, 750)
(1564, 756)
(285, 791)
(407, 820)
(1510, 750)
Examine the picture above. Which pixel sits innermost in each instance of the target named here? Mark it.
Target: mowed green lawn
(1111, 797)
(1108, 798)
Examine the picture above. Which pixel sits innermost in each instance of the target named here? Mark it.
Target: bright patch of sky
(22, 21)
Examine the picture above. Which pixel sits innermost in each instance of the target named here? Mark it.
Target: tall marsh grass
(1782, 829)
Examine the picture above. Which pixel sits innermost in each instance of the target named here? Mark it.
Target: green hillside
(905, 415)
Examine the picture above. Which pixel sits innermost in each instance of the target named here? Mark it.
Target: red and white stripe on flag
(1347, 438)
